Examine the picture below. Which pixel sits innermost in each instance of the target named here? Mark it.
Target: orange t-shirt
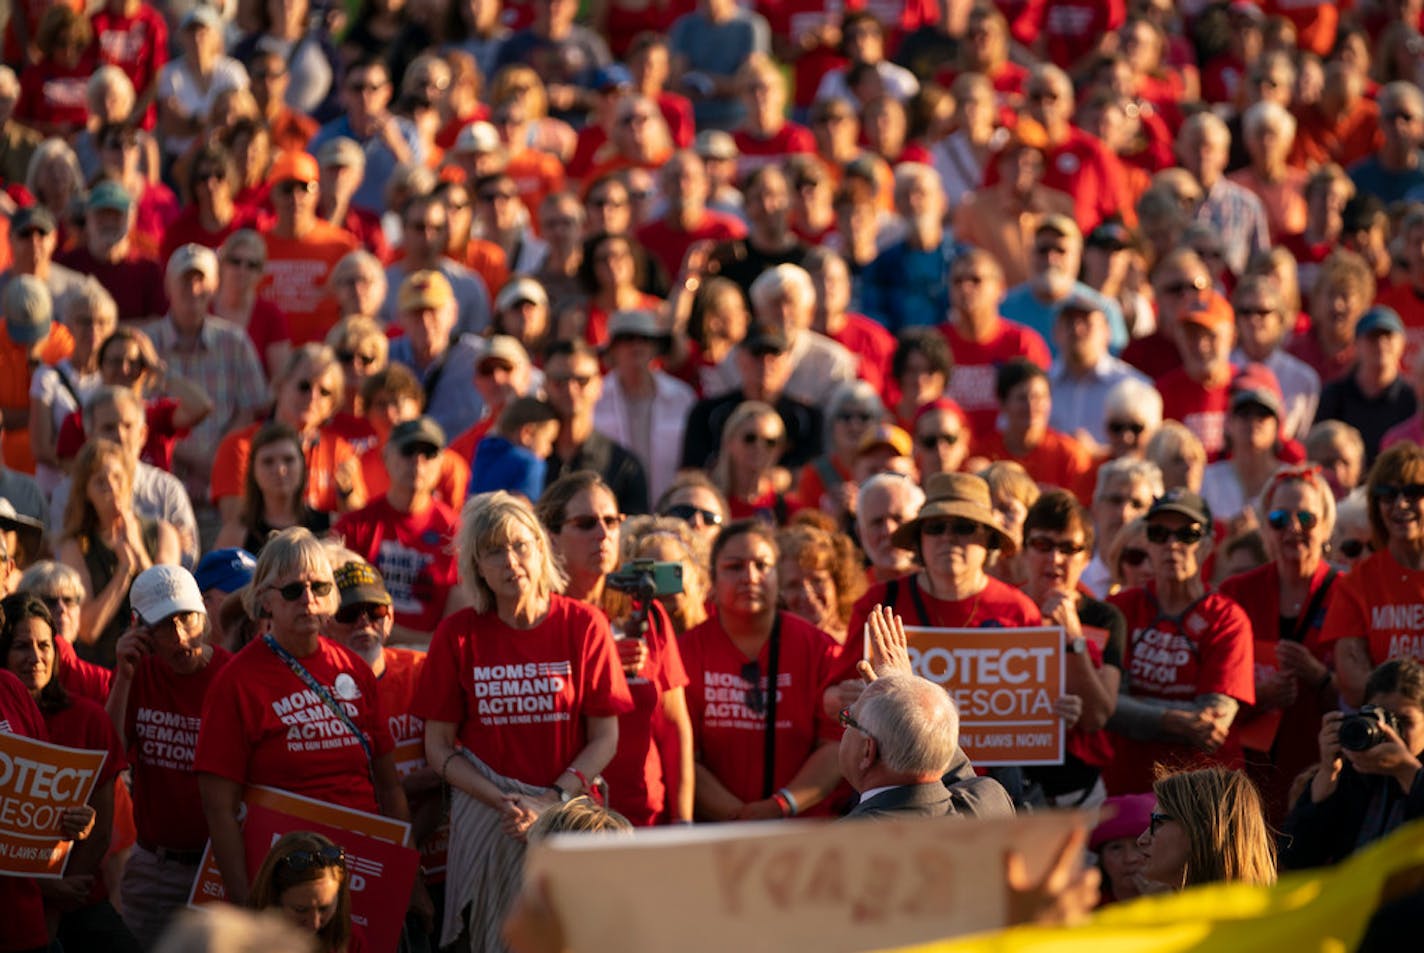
(1058, 460)
(536, 174)
(1352, 136)
(490, 262)
(295, 281)
(454, 476)
(323, 459)
(15, 374)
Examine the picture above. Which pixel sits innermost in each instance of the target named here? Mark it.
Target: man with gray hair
(885, 502)
(1125, 489)
(1394, 172)
(1233, 211)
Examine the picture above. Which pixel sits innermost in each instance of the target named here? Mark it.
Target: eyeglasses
(754, 698)
(1050, 249)
(365, 87)
(488, 367)
(497, 196)
(60, 602)
(423, 450)
(293, 591)
(588, 522)
(848, 720)
(1253, 411)
(854, 417)
(1355, 548)
(580, 380)
(694, 515)
(1041, 96)
(1120, 427)
(752, 439)
(1187, 535)
(1388, 493)
(254, 265)
(350, 615)
(1134, 557)
(306, 387)
(1399, 115)
(300, 860)
(962, 528)
(1155, 821)
(356, 357)
(1280, 520)
(604, 201)
(292, 187)
(1182, 287)
(931, 441)
(1046, 544)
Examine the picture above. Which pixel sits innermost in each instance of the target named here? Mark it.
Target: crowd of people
(351, 350)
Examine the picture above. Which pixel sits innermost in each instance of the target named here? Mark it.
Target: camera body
(646, 579)
(1365, 729)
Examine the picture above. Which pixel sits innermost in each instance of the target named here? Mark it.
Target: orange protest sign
(1005, 682)
(38, 782)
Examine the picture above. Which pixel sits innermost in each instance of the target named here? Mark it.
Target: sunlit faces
(1296, 518)
(699, 507)
(587, 540)
(306, 614)
(1165, 849)
(808, 593)
(744, 577)
(1252, 427)
(1174, 541)
(1205, 350)
(573, 384)
(1402, 507)
(32, 653)
(308, 397)
(941, 442)
(122, 423)
(1028, 405)
(1055, 560)
(757, 446)
(1123, 500)
(511, 568)
(278, 469)
(108, 488)
(178, 641)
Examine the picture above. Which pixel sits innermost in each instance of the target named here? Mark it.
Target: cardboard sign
(829, 887)
(382, 868)
(38, 782)
(1258, 732)
(1004, 682)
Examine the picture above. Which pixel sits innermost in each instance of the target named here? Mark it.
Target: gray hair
(856, 393)
(887, 483)
(914, 723)
(48, 151)
(217, 928)
(1134, 398)
(1204, 123)
(1398, 93)
(908, 173)
(287, 553)
(1131, 470)
(107, 77)
(1048, 73)
(1267, 113)
(1327, 433)
(108, 396)
(485, 523)
(245, 236)
(50, 577)
(782, 280)
(91, 294)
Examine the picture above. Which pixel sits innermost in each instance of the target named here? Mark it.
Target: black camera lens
(1365, 729)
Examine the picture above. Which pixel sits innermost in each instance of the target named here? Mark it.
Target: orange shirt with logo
(295, 280)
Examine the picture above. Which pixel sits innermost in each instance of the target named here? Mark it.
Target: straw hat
(954, 495)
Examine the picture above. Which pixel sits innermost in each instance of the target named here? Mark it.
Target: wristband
(791, 805)
(782, 804)
(582, 779)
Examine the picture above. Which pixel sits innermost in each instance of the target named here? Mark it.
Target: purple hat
(1132, 813)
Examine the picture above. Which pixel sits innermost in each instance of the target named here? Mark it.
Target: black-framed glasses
(962, 528)
(1156, 820)
(1355, 548)
(1121, 427)
(426, 451)
(752, 439)
(755, 697)
(694, 515)
(1047, 544)
(1134, 557)
(1182, 287)
(350, 615)
(251, 264)
(1388, 493)
(357, 358)
(293, 591)
(1283, 519)
(848, 720)
(300, 860)
(306, 387)
(589, 522)
(292, 187)
(1186, 535)
(931, 441)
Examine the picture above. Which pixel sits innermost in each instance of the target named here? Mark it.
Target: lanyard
(310, 681)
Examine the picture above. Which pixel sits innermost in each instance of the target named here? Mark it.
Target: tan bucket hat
(954, 495)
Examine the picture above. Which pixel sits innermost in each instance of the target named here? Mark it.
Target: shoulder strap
(310, 681)
(1317, 599)
(919, 600)
(69, 386)
(768, 763)
(826, 470)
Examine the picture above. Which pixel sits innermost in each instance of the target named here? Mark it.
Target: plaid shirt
(1236, 214)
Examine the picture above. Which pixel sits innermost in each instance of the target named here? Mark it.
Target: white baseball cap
(163, 591)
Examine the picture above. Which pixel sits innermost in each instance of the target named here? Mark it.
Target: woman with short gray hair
(828, 482)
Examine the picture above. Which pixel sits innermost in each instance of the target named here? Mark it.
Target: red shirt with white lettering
(161, 727)
(997, 606)
(1201, 409)
(1207, 650)
(1067, 30)
(728, 735)
(79, 677)
(136, 44)
(295, 279)
(262, 725)
(976, 365)
(413, 553)
(20, 896)
(757, 151)
(636, 788)
(55, 94)
(519, 697)
(84, 724)
(1381, 602)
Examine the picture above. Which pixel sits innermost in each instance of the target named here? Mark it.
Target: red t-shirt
(636, 788)
(976, 365)
(1406, 300)
(727, 735)
(1084, 168)
(86, 725)
(1379, 601)
(51, 93)
(79, 677)
(1058, 460)
(295, 280)
(871, 344)
(262, 725)
(669, 244)
(161, 724)
(414, 553)
(20, 896)
(163, 434)
(1327, 366)
(1202, 410)
(757, 151)
(519, 697)
(188, 228)
(136, 44)
(1154, 355)
(1069, 29)
(997, 606)
(1208, 650)
(136, 282)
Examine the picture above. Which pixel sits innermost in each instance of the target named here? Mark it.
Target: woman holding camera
(1369, 779)
(650, 778)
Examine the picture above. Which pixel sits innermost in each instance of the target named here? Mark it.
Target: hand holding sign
(77, 822)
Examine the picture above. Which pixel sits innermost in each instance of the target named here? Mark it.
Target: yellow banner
(1323, 911)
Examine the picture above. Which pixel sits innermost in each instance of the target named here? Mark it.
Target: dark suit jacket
(960, 793)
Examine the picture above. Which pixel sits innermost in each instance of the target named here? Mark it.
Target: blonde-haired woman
(108, 544)
(546, 134)
(292, 710)
(671, 540)
(745, 469)
(521, 702)
(1208, 828)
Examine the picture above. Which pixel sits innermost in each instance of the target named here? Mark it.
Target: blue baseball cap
(1379, 318)
(225, 570)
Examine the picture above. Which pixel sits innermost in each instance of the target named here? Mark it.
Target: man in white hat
(165, 666)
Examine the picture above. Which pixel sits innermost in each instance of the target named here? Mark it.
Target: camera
(1365, 729)
(646, 579)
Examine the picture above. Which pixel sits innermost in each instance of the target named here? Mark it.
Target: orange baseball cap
(294, 166)
(1211, 311)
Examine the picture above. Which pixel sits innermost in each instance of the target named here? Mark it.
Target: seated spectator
(1261, 323)
(770, 240)
(744, 470)
(1084, 375)
(1057, 260)
(512, 456)
(1402, 295)
(425, 227)
(764, 368)
(1269, 130)
(1328, 192)
(1358, 795)
(1025, 401)
(1374, 396)
(386, 140)
(343, 169)
(390, 397)
(362, 348)
(274, 494)
(1196, 808)
(1344, 287)
(33, 241)
(610, 277)
(1392, 172)
(107, 251)
(1339, 451)
(907, 283)
(502, 374)
(1124, 490)
(920, 372)
(872, 346)
(305, 878)
(408, 535)
(57, 391)
(190, 82)
(1179, 280)
(710, 44)
(1198, 393)
(52, 87)
(828, 482)
(242, 260)
(1179, 455)
(502, 219)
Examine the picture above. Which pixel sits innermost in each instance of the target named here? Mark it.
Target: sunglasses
(754, 698)
(292, 187)
(1182, 287)
(365, 87)
(587, 523)
(423, 450)
(1046, 544)
(1156, 821)
(350, 615)
(356, 357)
(1355, 548)
(962, 528)
(605, 202)
(496, 196)
(58, 602)
(853, 417)
(1280, 520)
(300, 860)
(306, 387)
(293, 591)
(1187, 535)
(251, 264)
(581, 380)
(752, 439)
(1126, 426)
(694, 515)
(1050, 249)
(1387, 493)
(1134, 557)
(932, 441)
